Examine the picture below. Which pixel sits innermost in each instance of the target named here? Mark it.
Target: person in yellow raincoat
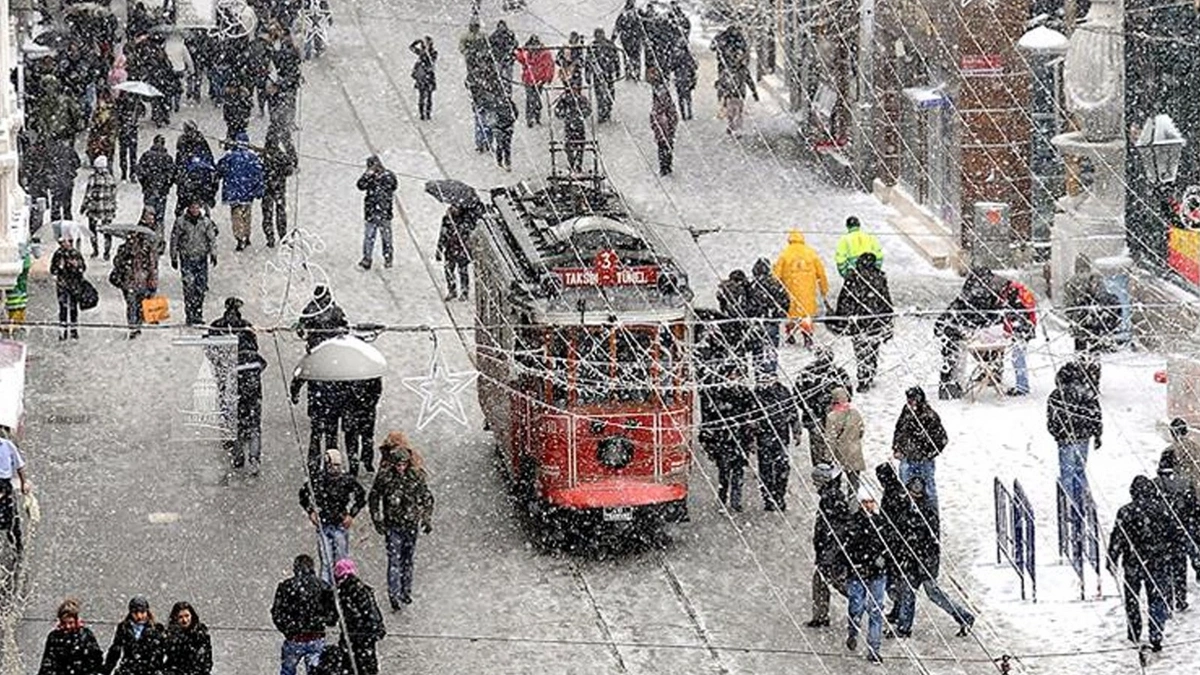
(803, 274)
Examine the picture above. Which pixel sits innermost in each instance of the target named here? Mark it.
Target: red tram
(582, 335)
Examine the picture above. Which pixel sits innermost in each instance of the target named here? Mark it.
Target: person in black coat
(302, 608)
(188, 645)
(332, 499)
(866, 558)
(733, 298)
(362, 622)
(725, 432)
(685, 79)
(767, 300)
(321, 319)
(156, 173)
(603, 62)
(1073, 418)
(454, 253)
(573, 109)
(361, 399)
(63, 165)
(250, 367)
(630, 32)
(917, 440)
(279, 162)
(920, 540)
(379, 184)
(139, 643)
(71, 648)
(776, 419)
(424, 75)
(864, 309)
(829, 535)
(979, 304)
(814, 387)
(1141, 542)
(1182, 504)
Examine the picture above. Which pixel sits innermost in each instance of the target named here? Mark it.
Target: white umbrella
(340, 359)
(67, 229)
(138, 87)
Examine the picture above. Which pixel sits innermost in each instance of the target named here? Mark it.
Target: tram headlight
(615, 452)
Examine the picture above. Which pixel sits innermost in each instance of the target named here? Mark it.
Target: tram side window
(635, 355)
(557, 377)
(593, 364)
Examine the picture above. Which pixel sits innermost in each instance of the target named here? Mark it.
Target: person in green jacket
(400, 502)
(853, 244)
(16, 299)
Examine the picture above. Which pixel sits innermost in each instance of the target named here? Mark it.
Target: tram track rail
(576, 570)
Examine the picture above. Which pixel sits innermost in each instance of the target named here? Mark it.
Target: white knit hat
(333, 457)
(865, 494)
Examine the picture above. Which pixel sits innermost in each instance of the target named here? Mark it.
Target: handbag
(86, 295)
(155, 309)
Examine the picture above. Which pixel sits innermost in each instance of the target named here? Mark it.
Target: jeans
(483, 132)
(1020, 369)
(533, 105)
(60, 203)
(857, 591)
(773, 471)
(384, 227)
(458, 277)
(503, 137)
(127, 154)
(866, 353)
(1157, 586)
(401, 544)
(1072, 475)
(665, 156)
(908, 604)
(68, 312)
(425, 104)
(248, 448)
(685, 102)
(335, 545)
(194, 273)
(274, 212)
(159, 203)
(133, 306)
(924, 469)
(294, 652)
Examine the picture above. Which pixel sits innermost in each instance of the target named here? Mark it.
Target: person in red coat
(664, 117)
(537, 70)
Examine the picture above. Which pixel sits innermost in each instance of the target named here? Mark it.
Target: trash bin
(1115, 271)
(991, 236)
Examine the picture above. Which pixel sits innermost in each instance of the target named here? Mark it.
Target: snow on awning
(925, 98)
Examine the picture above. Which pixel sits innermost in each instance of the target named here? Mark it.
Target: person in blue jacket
(242, 182)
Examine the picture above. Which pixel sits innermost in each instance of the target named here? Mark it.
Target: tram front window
(613, 364)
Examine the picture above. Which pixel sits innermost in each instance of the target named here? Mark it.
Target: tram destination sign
(607, 271)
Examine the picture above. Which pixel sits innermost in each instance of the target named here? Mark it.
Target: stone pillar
(1093, 223)
(13, 210)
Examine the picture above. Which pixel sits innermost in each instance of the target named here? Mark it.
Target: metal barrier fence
(1016, 533)
(1079, 536)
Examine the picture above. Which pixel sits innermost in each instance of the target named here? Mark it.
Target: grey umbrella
(453, 192)
(126, 229)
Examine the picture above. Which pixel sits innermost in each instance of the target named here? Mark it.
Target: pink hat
(344, 568)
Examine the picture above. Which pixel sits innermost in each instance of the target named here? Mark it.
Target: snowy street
(133, 507)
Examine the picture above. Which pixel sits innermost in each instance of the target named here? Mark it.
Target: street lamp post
(1159, 147)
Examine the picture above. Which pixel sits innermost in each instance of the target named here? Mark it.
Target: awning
(925, 98)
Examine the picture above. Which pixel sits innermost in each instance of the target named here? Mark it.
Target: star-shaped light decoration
(439, 391)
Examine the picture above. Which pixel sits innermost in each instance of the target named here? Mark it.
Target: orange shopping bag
(155, 309)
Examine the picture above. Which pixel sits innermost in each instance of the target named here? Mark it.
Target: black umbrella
(54, 39)
(454, 193)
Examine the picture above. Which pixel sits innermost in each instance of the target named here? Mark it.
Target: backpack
(1027, 300)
